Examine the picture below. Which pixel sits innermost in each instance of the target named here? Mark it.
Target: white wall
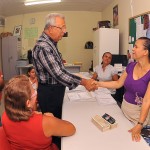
(1, 29)
(79, 27)
(124, 13)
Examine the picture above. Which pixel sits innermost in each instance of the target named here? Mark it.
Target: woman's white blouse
(106, 75)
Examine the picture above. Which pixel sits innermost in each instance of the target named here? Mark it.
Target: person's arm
(53, 126)
(36, 82)
(52, 64)
(114, 84)
(94, 76)
(136, 130)
(115, 77)
(114, 74)
(89, 84)
(61, 74)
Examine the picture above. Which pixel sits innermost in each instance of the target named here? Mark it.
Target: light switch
(32, 21)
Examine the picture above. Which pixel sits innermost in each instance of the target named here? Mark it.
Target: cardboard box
(102, 124)
(104, 24)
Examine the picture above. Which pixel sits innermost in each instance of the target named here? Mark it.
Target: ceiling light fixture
(41, 2)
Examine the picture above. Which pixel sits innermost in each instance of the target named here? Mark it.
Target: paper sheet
(78, 88)
(102, 90)
(118, 67)
(104, 98)
(80, 96)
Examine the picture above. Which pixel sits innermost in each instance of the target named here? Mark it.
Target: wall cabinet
(105, 40)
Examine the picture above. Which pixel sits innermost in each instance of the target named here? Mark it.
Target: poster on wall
(115, 15)
(31, 32)
(17, 30)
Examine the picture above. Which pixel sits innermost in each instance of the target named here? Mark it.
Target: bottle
(129, 57)
(148, 32)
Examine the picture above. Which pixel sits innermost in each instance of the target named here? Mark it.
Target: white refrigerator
(105, 40)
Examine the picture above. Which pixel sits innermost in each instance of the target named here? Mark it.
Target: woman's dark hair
(104, 54)
(146, 44)
(16, 93)
(29, 69)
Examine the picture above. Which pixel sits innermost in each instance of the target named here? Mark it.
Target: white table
(89, 137)
(71, 68)
(23, 69)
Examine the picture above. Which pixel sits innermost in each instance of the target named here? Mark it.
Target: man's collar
(47, 36)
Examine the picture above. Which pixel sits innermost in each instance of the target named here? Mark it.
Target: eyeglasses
(63, 28)
(34, 94)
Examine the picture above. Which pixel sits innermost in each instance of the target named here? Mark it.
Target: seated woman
(105, 71)
(25, 128)
(34, 82)
(32, 77)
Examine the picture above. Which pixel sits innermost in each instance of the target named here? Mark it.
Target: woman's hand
(96, 83)
(49, 114)
(136, 132)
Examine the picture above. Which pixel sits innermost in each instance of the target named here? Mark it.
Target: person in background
(1, 84)
(53, 78)
(136, 80)
(1, 88)
(32, 77)
(105, 71)
(25, 128)
(34, 82)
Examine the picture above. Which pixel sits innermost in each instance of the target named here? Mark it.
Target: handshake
(90, 84)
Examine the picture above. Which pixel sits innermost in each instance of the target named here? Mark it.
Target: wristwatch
(140, 123)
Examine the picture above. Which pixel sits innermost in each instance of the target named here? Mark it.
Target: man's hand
(89, 84)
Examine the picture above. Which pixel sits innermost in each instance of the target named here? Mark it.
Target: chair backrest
(4, 144)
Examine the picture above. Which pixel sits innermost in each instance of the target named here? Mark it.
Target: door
(5, 58)
(13, 56)
(9, 56)
(96, 48)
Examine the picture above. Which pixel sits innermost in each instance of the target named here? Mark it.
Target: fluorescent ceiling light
(41, 2)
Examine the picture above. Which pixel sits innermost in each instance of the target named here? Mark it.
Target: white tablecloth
(89, 137)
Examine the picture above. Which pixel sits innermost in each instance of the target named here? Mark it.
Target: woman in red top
(24, 128)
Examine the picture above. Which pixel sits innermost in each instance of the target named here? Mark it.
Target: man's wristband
(140, 123)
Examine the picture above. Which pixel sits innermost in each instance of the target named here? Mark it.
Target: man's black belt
(49, 84)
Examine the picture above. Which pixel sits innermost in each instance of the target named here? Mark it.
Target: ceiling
(16, 7)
